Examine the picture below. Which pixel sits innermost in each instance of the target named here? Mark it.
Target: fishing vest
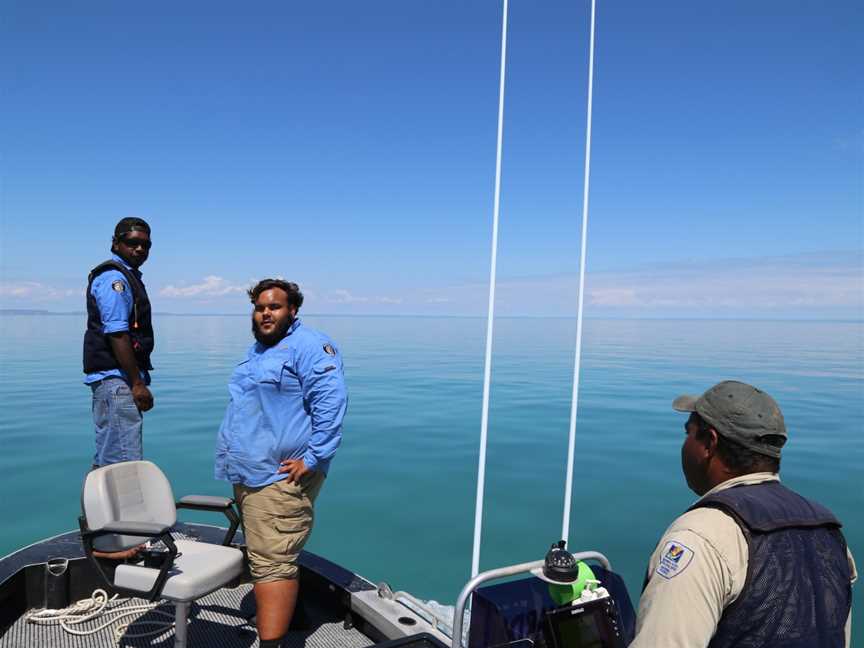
(797, 593)
(98, 355)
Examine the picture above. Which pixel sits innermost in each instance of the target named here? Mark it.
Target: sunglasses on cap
(134, 243)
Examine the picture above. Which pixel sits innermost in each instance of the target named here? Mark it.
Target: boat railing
(504, 572)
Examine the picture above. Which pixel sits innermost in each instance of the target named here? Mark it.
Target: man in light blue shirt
(280, 432)
(118, 342)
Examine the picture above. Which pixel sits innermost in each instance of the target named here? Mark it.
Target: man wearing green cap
(751, 563)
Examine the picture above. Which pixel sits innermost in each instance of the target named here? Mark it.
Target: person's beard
(270, 339)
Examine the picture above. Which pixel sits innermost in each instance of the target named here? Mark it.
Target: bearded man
(280, 432)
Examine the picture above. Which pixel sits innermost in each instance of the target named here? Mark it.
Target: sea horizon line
(844, 320)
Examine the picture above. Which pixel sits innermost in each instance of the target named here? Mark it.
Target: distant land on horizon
(31, 311)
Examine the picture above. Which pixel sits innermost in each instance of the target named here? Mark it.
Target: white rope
(574, 403)
(99, 605)
(490, 316)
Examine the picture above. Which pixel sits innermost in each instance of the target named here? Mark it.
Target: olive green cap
(741, 413)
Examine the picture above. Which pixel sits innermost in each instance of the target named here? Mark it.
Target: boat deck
(337, 608)
(218, 620)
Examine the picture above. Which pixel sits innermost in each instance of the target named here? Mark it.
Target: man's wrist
(309, 461)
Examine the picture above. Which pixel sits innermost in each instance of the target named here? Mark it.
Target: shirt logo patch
(329, 350)
(675, 559)
(118, 286)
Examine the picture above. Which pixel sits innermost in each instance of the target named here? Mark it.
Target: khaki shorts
(277, 521)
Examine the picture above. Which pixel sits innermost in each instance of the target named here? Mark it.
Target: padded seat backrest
(131, 491)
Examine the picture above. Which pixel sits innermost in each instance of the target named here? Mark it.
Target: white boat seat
(135, 499)
(132, 491)
(199, 568)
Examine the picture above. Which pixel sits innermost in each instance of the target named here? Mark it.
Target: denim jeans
(118, 423)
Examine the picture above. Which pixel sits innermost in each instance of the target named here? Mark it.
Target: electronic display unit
(592, 624)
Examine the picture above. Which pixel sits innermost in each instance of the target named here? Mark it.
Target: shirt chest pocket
(278, 376)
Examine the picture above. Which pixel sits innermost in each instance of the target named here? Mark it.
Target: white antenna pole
(574, 403)
(490, 316)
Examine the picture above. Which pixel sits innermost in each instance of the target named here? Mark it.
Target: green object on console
(569, 592)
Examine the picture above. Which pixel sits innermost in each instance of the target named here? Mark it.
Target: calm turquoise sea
(399, 502)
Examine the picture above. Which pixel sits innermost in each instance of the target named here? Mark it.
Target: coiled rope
(99, 605)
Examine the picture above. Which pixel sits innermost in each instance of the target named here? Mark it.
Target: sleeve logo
(674, 559)
(329, 350)
(118, 286)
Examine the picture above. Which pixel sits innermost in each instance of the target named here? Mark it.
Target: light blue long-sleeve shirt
(286, 402)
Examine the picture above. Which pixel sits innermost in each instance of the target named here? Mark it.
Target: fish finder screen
(580, 627)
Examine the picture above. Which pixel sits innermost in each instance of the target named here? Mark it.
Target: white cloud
(613, 297)
(342, 296)
(36, 291)
(805, 282)
(818, 286)
(824, 285)
(22, 289)
(212, 286)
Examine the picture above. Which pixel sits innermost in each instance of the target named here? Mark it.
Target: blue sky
(350, 147)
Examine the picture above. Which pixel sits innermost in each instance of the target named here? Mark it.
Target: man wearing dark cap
(117, 345)
(751, 563)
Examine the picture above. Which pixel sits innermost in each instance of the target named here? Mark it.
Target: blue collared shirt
(115, 306)
(286, 402)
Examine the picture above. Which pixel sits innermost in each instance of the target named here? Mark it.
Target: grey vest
(797, 593)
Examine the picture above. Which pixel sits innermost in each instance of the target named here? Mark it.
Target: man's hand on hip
(295, 469)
